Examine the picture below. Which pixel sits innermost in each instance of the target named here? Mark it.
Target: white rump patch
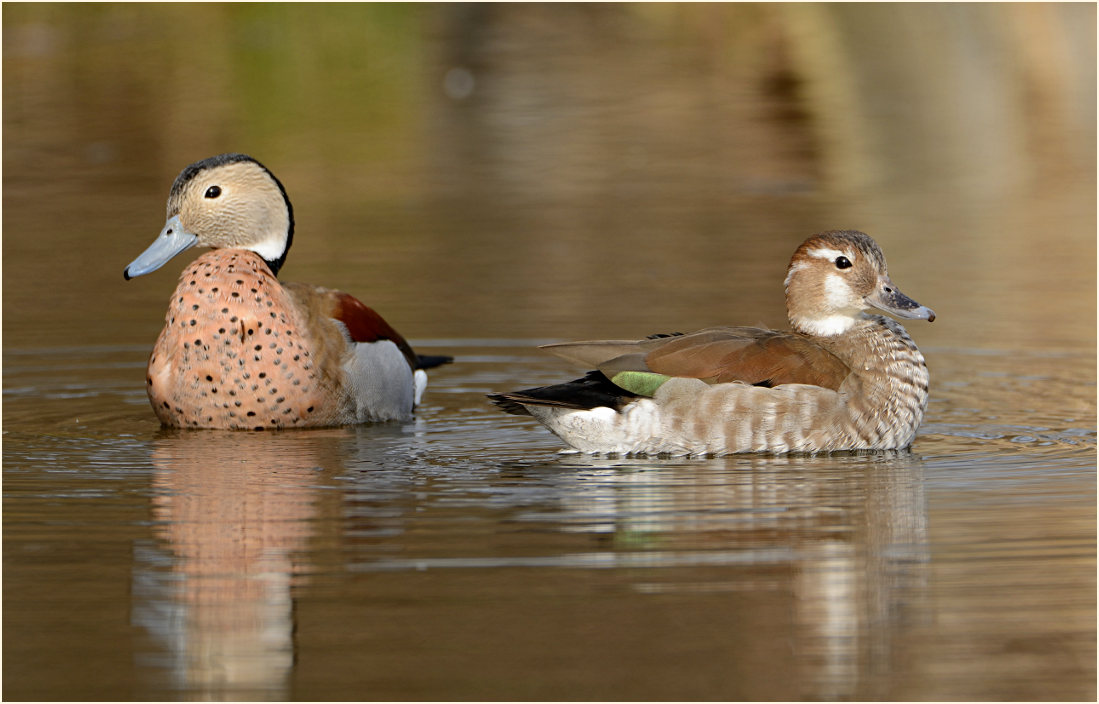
(419, 381)
(603, 429)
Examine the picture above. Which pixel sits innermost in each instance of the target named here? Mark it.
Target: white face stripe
(829, 253)
(790, 274)
(825, 253)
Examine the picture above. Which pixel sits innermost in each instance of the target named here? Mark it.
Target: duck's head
(835, 277)
(228, 201)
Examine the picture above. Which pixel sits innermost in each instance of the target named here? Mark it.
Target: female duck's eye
(213, 191)
(843, 263)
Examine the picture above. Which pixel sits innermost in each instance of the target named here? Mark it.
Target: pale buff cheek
(837, 292)
(250, 213)
(269, 223)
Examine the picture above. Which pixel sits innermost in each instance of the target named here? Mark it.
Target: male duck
(843, 379)
(239, 349)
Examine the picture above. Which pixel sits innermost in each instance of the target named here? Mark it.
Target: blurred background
(556, 171)
(493, 176)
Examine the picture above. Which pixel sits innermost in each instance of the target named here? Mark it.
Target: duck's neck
(888, 386)
(826, 325)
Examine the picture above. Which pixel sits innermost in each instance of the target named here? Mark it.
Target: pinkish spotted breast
(234, 352)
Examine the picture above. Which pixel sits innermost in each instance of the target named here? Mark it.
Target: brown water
(609, 171)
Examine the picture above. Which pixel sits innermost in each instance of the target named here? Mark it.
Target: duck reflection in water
(235, 510)
(839, 543)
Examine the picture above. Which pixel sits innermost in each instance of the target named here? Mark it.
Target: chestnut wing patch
(364, 324)
(320, 305)
(749, 355)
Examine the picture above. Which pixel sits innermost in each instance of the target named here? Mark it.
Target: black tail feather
(592, 391)
(510, 403)
(429, 361)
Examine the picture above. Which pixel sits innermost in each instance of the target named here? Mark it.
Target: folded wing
(715, 355)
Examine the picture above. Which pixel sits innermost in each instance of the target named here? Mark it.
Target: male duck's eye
(213, 191)
(843, 263)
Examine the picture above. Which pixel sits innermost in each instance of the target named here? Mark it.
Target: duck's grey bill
(172, 240)
(889, 299)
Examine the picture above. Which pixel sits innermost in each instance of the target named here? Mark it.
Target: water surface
(495, 177)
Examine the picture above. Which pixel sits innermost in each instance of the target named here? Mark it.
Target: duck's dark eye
(213, 191)
(843, 262)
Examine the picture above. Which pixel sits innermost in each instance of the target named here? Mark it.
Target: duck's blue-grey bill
(172, 240)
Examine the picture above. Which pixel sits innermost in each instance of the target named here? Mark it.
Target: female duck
(843, 379)
(239, 349)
